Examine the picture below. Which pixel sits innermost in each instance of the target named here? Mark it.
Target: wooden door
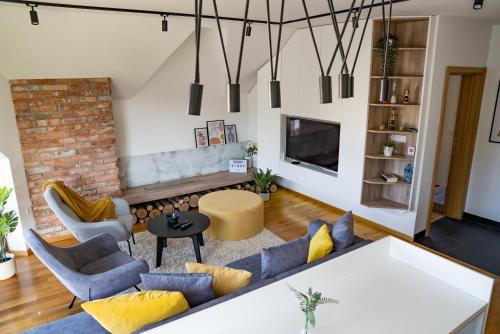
(469, 107)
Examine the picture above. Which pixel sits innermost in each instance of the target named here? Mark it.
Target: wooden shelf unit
(408, 74)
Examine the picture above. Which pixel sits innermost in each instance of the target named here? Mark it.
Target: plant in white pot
(389, 148)
(263, 181)
(250, 150)
(8, 224)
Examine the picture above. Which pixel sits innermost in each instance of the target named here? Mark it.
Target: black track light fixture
(355, 23)
(164, 23)
(249, 29)
(33, 14)
(196, 89)
(478, 4)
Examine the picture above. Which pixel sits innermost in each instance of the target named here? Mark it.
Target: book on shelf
(389, 178)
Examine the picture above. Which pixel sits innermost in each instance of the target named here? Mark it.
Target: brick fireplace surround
(67, 132)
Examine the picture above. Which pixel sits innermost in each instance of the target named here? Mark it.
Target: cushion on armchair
(342, 231)
(197, 288)
(275, 260)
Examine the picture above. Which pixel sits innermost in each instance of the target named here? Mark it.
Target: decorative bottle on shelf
(394, 99)
(408, 173)
(393, 120)
(406, 99)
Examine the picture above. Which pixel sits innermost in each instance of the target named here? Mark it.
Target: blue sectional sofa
(82, 323)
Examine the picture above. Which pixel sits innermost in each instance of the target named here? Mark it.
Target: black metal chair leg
(137, 288)
(133, 239)
(72, 303)
(129, 248)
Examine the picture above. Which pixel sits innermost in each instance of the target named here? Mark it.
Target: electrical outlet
(398, 138)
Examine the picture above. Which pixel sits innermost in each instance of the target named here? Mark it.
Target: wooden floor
(34, 296)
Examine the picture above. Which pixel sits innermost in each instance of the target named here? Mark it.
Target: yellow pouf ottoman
(234, 214)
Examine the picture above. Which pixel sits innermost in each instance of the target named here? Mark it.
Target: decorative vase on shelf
(249, 162)
(394, 99)
(388, 150)
(408, 173)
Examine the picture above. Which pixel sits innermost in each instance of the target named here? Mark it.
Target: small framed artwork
(231, 135)
(216, 133)
(495, 123)
(201, 137)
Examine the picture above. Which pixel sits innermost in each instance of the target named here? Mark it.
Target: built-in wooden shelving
(408, 74)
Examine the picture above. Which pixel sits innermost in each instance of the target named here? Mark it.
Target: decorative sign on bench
(237, 166)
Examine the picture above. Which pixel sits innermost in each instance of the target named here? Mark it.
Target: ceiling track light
(249, 29)
(478, 4)
(164, 23)
(274, 85)
(196, 89)
(233, 89)
(384, 82)
(33, 14)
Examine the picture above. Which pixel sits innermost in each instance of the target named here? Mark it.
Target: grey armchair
(120, 228)
(94, 269)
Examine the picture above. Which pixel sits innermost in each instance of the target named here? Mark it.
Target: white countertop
(379, 292)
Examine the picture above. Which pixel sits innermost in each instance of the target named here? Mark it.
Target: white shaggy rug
(180, 251)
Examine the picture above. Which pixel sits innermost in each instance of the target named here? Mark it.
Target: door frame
(480, 72)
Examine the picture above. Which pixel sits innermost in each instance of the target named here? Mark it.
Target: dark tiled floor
(467, 240)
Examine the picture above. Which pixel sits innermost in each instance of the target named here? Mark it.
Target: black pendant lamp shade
(196, 89)
(233, 89)
(384, 82)
(164, 23)
(344, 86)
(325, 89)
(274, 84)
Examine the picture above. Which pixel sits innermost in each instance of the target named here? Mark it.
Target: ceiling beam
(178, 14)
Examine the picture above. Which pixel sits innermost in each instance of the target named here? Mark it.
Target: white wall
(11, 148)
(457, 42)
(299, 81)
(448, 129)
(483, 198)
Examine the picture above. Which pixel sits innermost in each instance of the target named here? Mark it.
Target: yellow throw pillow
(226, 280)
(320, 245)
(132, 311)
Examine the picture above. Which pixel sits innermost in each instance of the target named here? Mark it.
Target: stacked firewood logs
(144, 212)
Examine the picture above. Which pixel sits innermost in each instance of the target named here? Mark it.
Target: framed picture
(201, 137)
(231, 135)
(216, 133)
(495, 123)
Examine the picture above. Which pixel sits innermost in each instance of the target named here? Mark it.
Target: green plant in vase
(392, 53)
(263, 181)
(8, 224)
(308, 302)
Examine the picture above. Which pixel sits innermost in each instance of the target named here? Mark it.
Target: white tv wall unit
(388, 286)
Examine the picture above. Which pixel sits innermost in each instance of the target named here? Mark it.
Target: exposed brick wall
(67, 132)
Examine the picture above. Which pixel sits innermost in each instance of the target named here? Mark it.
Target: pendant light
(274, 85)
(384, 82)
(233, 89)
(351, 77)
(196, 89)
(33, 14)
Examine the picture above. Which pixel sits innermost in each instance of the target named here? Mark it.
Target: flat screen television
(313, 142)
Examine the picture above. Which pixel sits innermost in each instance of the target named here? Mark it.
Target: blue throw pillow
(276, 260)
(197, 288)
(342, 231)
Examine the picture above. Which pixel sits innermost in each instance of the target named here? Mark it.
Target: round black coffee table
(159, 226)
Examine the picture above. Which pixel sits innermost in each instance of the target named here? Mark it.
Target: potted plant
(251, 151)
(8, 224)
(392, 52)
(263, 182)
(308, 303)
(389, 148)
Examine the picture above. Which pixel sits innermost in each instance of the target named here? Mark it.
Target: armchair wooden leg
(129, 248)
(133, 239)
(137, 288)
(72, 303)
